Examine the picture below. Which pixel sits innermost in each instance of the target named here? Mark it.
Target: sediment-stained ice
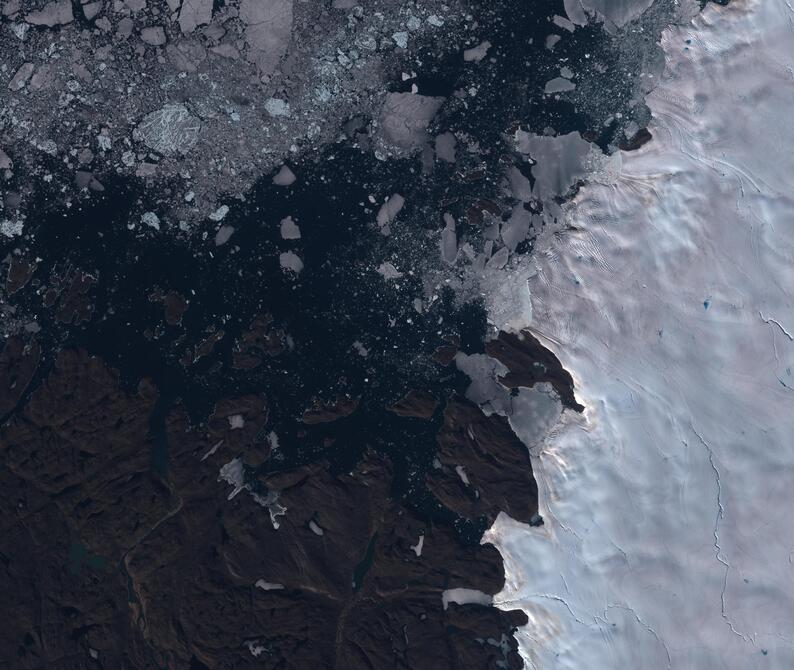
(667, 540)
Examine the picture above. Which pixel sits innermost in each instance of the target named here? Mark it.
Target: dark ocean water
(338, 298)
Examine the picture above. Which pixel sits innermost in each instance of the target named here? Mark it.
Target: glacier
(668, 540)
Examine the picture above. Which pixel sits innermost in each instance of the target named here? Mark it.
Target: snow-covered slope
(669, 506)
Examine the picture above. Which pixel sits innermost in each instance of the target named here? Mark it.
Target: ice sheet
(668, 540)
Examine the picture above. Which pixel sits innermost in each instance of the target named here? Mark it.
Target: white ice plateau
(669, 504)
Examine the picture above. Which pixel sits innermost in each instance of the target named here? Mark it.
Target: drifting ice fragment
(389, 211)
(284, 177)
(290, 229)
(476, 54)
(220, 213)
(289, 260)
(559, 85)
(151, 219)
(388, 271)
(277, 107)
(168, 130)
(57, 13)
(223, 235)
(449, 241)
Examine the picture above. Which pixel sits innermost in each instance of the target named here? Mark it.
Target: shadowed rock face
(418, 404)
(18, 362)
(488, 468)
(529, 362)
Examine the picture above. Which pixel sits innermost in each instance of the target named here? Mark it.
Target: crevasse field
(669, 506)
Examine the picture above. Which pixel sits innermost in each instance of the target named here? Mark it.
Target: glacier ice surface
(667, 540)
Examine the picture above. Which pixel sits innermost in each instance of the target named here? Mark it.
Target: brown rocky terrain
(110, 561)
